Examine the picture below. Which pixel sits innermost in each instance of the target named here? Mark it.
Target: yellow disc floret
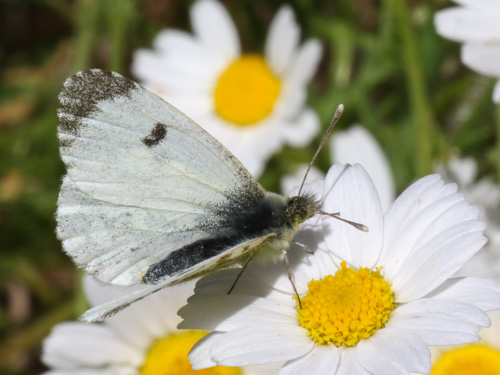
(169, 356)
(469, 360)
(346, 308)
(246, 91)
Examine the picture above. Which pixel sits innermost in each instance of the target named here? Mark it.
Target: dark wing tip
(82, 92)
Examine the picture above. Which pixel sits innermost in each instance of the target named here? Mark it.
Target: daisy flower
(141, 340)
(252, 103)
(482, 358)
(372, 302)
(475, 23)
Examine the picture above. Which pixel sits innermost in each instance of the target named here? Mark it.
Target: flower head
(142, 340)
(483, 357)
(251, 103)
(372, 302)
(475, 23)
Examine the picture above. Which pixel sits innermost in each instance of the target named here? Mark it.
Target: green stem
(426, 130)
(87, 14)
(32, 335)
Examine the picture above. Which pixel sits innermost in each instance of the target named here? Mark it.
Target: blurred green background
(382, 59)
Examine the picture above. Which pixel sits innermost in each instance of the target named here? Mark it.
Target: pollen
(347, 307)
(169, 356)
(246, 91)
(469, 360)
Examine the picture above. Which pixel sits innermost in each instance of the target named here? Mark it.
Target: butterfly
(151, 198)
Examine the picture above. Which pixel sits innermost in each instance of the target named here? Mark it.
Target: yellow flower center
(168, 356)
(346, 308)
(468, 360)
(246, 91)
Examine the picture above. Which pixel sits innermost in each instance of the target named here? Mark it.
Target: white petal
(482, 293)
(430, 264)
(259, 345)
(73, 345)
(485, 5)
(199, 355)
(424, 210)
(305, 63)
(167, 75)
(349, 364)
(463, 24)
(282, 40)
(249, 284)
(170, 41)
(100, 371)
(303, 266)
(268, 369)
(147, 319)
(440, 321)
(351, 192)
(392, 351)
(464, 171)
(229, 312)
(213, 26)
(358, 146)
(323, 359)
(483, 58)
(496, 93)
(290, 182)
(300, 132)
(291, 102)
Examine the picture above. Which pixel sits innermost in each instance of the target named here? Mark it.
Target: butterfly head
(301, 207)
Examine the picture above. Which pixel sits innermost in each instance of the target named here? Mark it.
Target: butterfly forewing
(143, 179)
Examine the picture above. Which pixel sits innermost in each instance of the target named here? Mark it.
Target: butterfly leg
(288, 269)
(304, 247)
(241, 273)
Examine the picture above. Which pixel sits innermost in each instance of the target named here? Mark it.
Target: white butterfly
(151, 198)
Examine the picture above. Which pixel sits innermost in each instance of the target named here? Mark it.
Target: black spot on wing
(157, 134)
(82, 92)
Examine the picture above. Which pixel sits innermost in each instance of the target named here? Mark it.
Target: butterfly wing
(101, 312)
(143, 180)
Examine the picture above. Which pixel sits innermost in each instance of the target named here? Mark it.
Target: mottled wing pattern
(143, 179)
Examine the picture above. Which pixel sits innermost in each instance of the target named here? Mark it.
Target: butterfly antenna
(335, 119)
(359, 226)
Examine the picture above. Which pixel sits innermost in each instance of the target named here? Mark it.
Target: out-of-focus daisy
(141, 340)
(354, 146)
(483, 193)
(251, 103)
(483, 357)
(372, 302)
(475, 23)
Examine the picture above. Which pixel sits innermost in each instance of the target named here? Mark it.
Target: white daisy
(482, 358)
(253, 104)
(475, 23)
(372, 302)
(141, 340)
(483, 193)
